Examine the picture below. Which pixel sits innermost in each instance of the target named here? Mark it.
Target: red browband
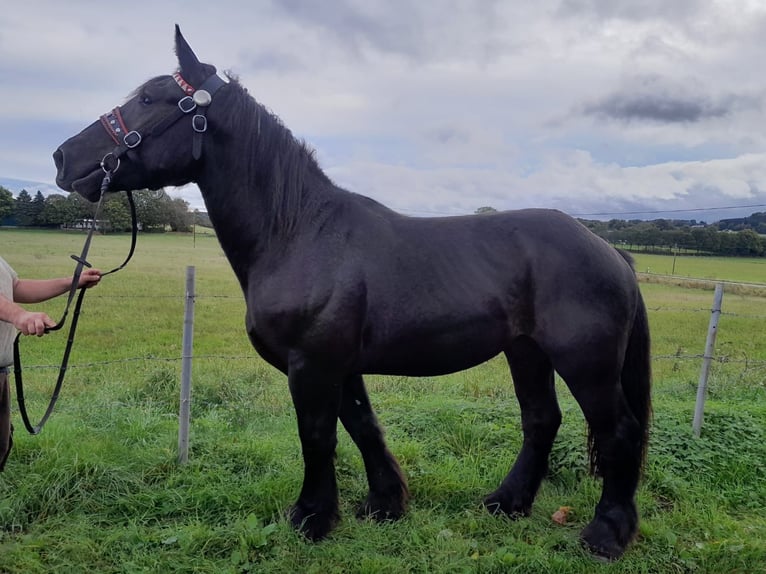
(185, 86)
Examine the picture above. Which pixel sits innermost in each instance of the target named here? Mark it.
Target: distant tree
(662, 224)
(116, 212)
(55, 211)
(485, 209)
(23, 208)
(617, 224)
(645, 233)
(6, 203)
(727, 243)
(38, 206)
(600, 228)
(151, 209)
(706, 239)
(78, 208)
(749, 243)
(181, 219)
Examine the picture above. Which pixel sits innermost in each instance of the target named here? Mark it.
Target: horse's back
(474, 283)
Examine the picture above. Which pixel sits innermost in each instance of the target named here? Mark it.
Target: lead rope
(81, 262)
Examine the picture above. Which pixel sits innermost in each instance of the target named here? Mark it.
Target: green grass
(745, 269)
(100, 490)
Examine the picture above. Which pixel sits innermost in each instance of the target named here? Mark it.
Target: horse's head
(153, 140)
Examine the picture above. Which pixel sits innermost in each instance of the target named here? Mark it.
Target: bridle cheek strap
(194, 99)
(202, 98)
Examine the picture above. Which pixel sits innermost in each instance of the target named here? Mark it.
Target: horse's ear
(187, 60)
(191, 68)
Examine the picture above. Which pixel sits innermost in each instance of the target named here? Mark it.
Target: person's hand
(89, 278)
(33, 323)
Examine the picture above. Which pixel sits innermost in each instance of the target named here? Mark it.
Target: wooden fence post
(707, 359)
(186, 363)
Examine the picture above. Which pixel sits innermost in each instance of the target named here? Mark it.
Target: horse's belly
(430, 354)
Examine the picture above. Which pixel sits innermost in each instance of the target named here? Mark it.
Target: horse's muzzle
(58, 160)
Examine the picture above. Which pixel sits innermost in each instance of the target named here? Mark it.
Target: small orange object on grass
(561, 515)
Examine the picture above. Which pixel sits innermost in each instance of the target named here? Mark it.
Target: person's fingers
(89, 278)
(37, 324)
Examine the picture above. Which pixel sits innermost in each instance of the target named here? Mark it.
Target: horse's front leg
(316, 394)
(388, 495)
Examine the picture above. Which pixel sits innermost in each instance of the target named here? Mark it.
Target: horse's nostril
(58, 159)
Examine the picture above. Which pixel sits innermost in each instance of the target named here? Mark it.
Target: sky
(630, 109)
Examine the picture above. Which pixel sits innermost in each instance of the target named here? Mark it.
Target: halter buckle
(132, 139)
(199, 123)
(187, 104)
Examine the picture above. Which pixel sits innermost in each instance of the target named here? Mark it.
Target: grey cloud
(657, 108)
(633, 9)
(447, 135)
(353, 26)
(415, 30)
(654, 99)
(273, 61)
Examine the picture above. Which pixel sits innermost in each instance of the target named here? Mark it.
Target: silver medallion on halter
(202, 98)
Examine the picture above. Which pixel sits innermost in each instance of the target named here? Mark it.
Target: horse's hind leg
(316, 397)
(540, 420)
(387, 499)
(616, 453)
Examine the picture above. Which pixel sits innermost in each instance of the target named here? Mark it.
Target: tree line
(744, 236)
(670, 236)
(155, 211)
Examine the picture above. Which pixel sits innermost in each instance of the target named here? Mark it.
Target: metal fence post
(186, 363)
(707, 359)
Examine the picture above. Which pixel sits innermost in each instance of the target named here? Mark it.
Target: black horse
(337, 285)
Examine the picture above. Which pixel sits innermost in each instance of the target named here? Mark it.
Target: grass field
(100, 490)
(748, 270)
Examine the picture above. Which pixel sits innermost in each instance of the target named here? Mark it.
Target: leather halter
(194, 99)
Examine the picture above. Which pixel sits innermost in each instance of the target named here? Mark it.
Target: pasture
(746, 270)
(100, 490)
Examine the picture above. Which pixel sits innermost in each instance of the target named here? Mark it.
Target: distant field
(100, 490)
(749, 270)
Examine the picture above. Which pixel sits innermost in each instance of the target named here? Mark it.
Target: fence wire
(724, 359)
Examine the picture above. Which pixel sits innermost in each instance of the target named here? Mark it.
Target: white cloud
(587, 105)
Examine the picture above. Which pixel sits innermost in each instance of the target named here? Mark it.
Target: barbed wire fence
(188, 358)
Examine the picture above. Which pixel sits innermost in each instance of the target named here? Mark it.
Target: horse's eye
(145, 100)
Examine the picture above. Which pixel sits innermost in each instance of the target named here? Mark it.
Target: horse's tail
(637, 375)
(637, 369)
(636, 379)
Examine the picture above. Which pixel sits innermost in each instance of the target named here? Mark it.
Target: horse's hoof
(382, 509)
(313, 525)
(499, 503)
(602, 540)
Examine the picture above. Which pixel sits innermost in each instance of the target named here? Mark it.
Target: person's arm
(36, 291)
(28, 322)
(39, 290)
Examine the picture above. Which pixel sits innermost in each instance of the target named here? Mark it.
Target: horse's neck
(246, 222)
(237, 220)
(258, 192)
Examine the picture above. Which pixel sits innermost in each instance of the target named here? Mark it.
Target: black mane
(281, 169)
